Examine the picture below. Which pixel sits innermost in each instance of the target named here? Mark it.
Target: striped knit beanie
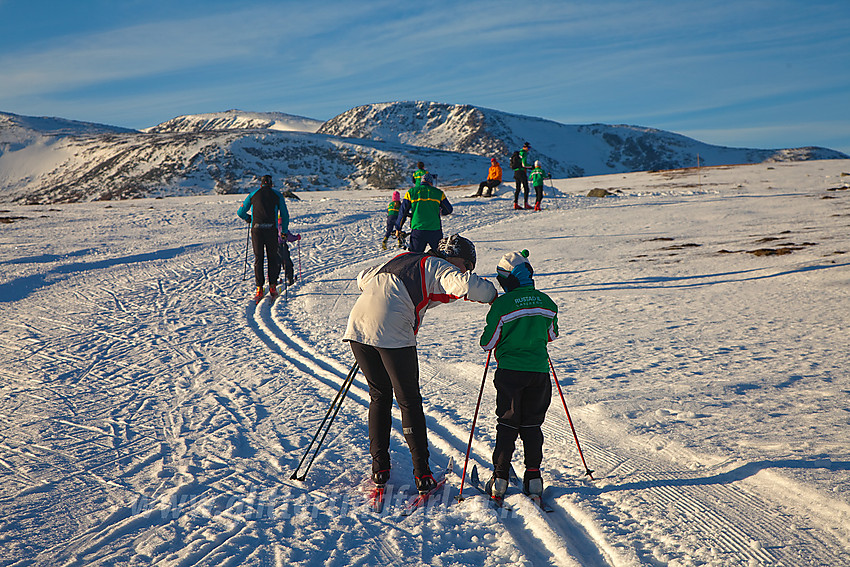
(514, 270)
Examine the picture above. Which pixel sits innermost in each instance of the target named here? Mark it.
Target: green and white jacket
(538, 174)
(520, 325)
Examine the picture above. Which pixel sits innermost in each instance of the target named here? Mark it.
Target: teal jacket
(520, 325)
(266, 212)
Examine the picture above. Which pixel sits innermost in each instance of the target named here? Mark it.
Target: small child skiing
(537, 177)
(392, 217)
(284, 237)
(520, 324)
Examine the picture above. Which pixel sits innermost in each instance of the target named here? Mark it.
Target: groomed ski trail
(151, 415)
(537, 539)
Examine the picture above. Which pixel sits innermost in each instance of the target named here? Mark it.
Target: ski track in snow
(152, 414)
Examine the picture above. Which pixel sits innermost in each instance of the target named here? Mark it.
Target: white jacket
(397, 293)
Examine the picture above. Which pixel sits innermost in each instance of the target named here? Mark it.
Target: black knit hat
(456, 246)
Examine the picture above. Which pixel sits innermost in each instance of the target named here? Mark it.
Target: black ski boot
(381, 477)
(425, 483)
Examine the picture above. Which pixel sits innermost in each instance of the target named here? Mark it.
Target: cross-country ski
(423, 498)
(495, 501)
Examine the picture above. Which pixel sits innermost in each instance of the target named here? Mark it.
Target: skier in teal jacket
(265, 209)
(520, 324)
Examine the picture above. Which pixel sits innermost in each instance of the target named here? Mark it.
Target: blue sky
(746, 73)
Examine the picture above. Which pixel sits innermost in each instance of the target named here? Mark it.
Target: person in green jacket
(424, 204)
(419, 174)
(392, 217)
(538, 174)
(520, 324)
(521, 175)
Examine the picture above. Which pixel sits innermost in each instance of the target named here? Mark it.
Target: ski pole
(552, 195)
(331, 413)
(330, 422)
(247, 241)
(587, 471)
(459, 497)
(283, 268)
(299, 257)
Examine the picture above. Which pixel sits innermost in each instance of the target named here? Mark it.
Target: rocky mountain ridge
(52, 160)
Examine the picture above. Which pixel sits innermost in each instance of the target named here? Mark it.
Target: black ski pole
(459, 497)
(247, 242)
(333, 409)
(587, 471)
(328, 428)
(299, 258)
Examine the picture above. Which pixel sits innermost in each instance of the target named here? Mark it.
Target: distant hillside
(14, 124)
(235, 120)
(566, 150)
(52, 160)
(40, 168)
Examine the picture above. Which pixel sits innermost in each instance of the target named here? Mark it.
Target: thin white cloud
(152, 49)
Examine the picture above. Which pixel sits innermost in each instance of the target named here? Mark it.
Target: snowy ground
(151, 414)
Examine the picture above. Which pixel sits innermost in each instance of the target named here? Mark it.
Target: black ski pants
(522, 399)
(538, 193)
(388, 371)
(490, 184)
(264, 242)
(419, 239)
(391, 220)
(521, 178)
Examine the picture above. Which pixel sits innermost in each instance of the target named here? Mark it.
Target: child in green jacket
(537, 177)
(520, 324)
(392, 218)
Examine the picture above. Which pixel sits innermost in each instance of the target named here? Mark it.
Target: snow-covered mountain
(37, 167)
(51, 160)
(566, 150)
(237, 119)
(15, 128)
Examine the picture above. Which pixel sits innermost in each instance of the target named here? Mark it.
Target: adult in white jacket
(382, 331)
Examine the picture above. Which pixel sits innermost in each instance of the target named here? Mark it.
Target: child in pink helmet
(392, 217)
